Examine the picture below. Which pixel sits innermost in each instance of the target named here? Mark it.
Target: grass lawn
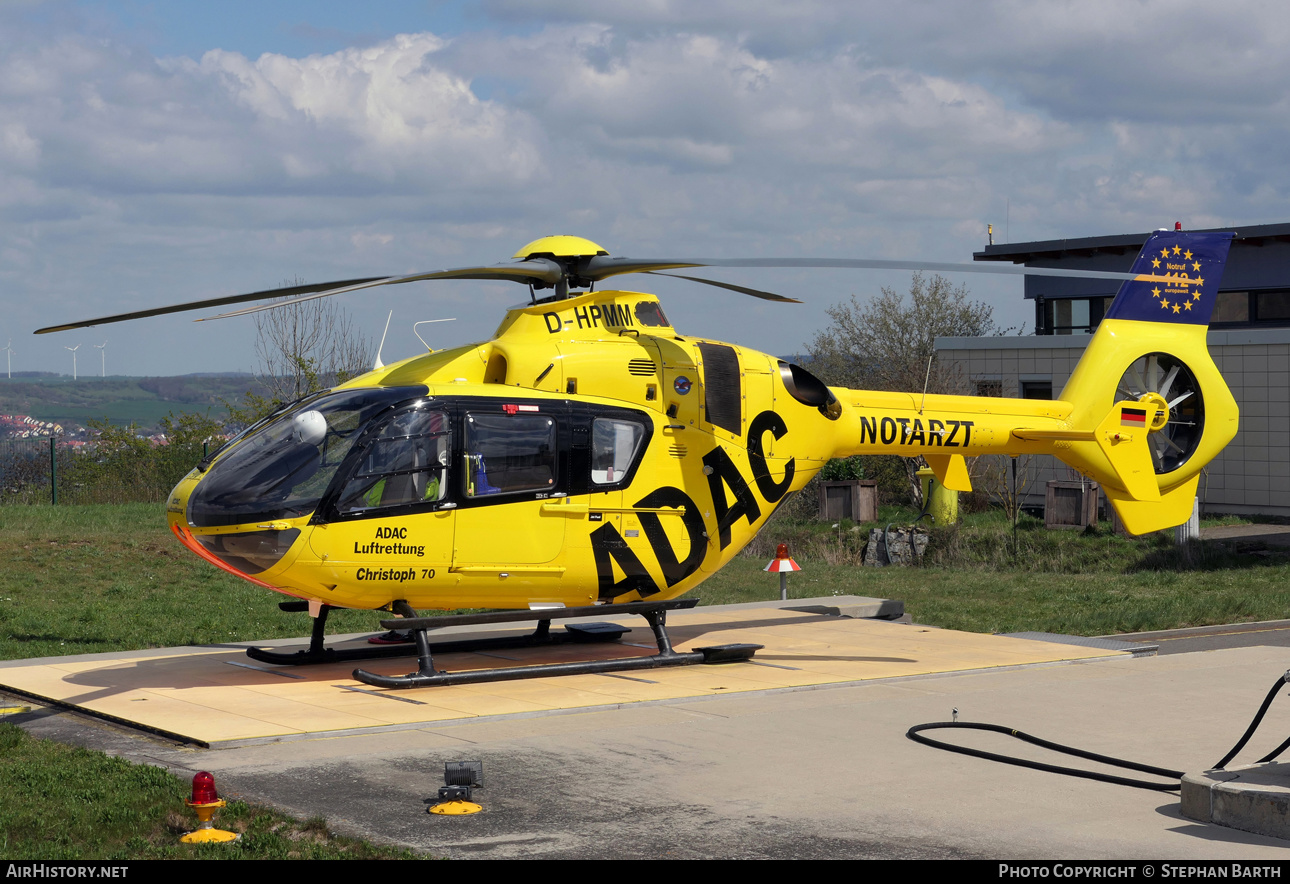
(65, 803)
(86, 579)
(1077, 583)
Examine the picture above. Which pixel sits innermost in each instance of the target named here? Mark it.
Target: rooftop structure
(1254, 292)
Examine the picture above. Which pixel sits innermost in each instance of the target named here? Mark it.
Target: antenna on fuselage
(381, 346)
(423, 322)
(926, 379)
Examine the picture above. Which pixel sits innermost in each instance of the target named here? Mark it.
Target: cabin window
(614, 446)
(405, 462)
(651, 314)
(509, 454)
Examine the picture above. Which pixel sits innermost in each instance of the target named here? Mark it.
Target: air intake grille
(677, 450)
(722, 390)
(643, 367)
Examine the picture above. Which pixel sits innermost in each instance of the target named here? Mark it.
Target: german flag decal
(1133, 417)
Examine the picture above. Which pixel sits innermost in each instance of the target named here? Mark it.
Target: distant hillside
(122, 400)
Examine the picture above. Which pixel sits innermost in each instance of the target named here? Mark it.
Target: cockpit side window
(404, 462)
(509, 454)
(614, 447)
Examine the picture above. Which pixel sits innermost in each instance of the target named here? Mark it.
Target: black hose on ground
(915, 734)
(1254, 725)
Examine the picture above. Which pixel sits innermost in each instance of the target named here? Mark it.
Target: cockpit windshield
(282, 470)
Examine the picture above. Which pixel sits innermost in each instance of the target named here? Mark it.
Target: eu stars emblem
(1187, 293)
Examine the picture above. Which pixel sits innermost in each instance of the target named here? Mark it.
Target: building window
(1269, 307)
(1073, 316)
(989, 388)
(1231, 307)
(1272, 306)
(1037, 389)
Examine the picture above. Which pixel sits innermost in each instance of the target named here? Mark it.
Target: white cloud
(654, 127)
(18, 150)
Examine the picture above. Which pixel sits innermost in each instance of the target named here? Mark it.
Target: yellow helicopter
(591, 458)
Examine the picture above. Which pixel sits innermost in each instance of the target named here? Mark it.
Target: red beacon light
(204, 789)
(782, 565)
(204, 802)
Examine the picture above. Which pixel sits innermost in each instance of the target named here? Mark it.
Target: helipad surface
(218, 696)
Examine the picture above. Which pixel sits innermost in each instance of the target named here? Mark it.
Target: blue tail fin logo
(1193, 263)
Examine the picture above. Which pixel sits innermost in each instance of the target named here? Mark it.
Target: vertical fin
(1149, 318)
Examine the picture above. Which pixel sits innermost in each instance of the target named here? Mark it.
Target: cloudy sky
(157, 152)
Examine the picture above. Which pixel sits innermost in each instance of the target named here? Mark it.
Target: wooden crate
(854, 499)
(1070, 504)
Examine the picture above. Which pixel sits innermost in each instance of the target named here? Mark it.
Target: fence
(34, 471)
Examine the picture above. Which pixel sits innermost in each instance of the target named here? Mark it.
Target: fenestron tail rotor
(1166, 381)
(562, 263)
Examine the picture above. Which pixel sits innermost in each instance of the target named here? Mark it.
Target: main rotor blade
(545, 272)
(537, 270)
(209, 302)
(534, 270)
(756, 293)
(605, 266)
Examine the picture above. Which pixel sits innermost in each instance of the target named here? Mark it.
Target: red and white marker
(782, 565)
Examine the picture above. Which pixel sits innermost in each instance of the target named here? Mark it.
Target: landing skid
(655, 613)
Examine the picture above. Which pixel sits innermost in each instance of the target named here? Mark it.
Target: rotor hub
(1161, 418)
(560, 246)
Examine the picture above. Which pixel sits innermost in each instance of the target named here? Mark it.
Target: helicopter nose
(177, 501)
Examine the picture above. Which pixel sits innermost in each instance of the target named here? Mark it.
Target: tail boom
(1145, 410)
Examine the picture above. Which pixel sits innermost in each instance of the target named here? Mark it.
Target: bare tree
(1007, 481)
(889, 343)
(302, 348)
(886, 343)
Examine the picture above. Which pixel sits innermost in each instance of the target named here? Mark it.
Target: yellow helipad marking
(194, 693)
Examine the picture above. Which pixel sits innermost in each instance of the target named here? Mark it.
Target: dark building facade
(1254, 292)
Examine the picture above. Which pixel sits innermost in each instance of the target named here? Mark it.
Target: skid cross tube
(544, 614)
(655, 614)
(317, 652)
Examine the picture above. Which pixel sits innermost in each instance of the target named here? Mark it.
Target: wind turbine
(103, 353)
(73, 349)
(8, 350)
